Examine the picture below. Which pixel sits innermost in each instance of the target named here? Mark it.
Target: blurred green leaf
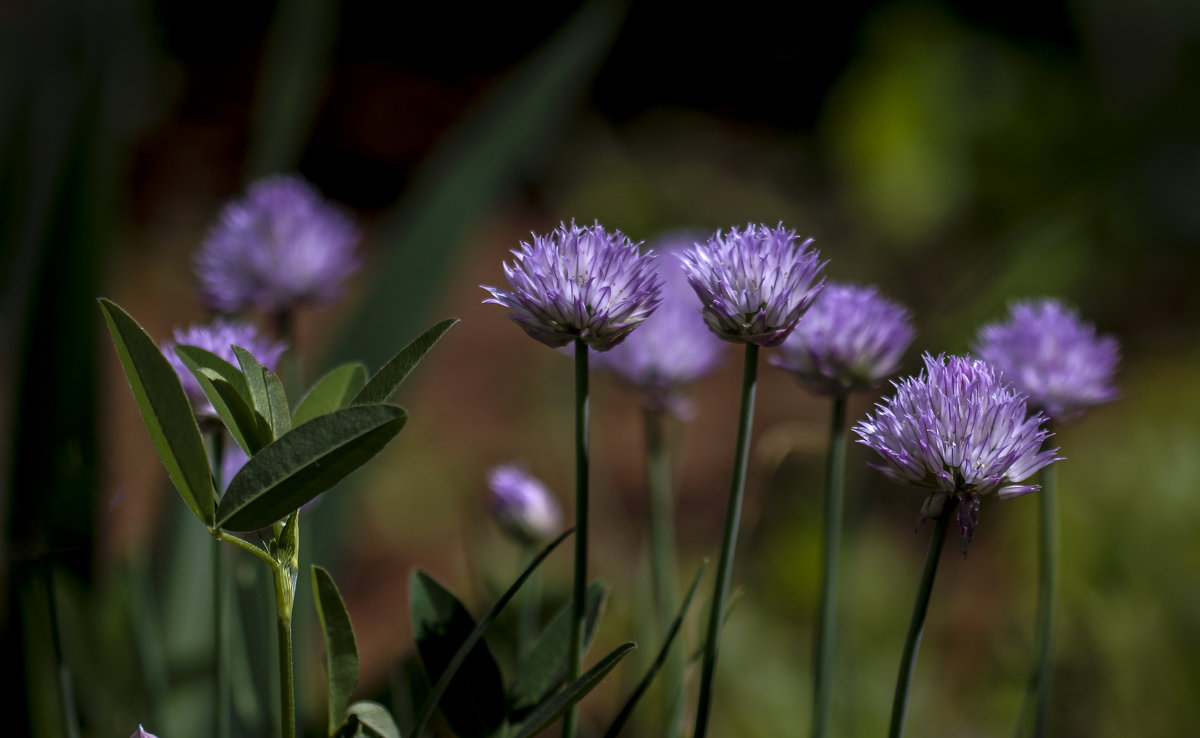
(550, 711)
(393, 374)
(473, 700)
(281, 412)
(304, 463)
(544, 669)
(332, 392)
(243, 423)
(369, 720)
(165, 410)
(659, 660)
(341, 651)
(471, 166)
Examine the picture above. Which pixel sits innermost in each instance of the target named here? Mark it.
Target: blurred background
(956, 154)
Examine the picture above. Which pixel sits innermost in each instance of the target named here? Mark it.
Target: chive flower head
(1058, 360)
(851, 339)
(959, 431)
(280, 246)
(579, 282)
(754, 283)
(522, 505)
(218, 337)
(673, 347)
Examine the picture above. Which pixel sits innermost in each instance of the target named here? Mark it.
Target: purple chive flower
(755, 283)
(850, 339)
(141, 733)
(219, 337)
(279, 246)
(583, 283)
(1052, 356)
(673, 347)
(522, 505)
(958, 430)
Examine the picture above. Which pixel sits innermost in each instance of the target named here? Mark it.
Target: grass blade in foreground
(341, 650)
(439, 688)
(165, 409)
(388, 379)
(575, 691)
(659, 660)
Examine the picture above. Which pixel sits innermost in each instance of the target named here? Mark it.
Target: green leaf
(473, 701)
(659, 660)
(544, 668)
(304, 463)
(467, 647)
(368, 719)
(341, 651)
(550, 711)
(393, 374)
(243, 423)
(165, 409)
(196, 356)
(281, 412)
(332, 392)
(256, 382)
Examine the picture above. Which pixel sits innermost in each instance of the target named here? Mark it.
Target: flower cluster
(522, 505)
(219, 337)
(579, 283)
(280, 246)
(1052, 356)
(850, 339)
(959, 430)
(754, 283)
(673, 347)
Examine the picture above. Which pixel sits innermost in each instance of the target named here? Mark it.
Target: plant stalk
(1048, 598)
(579, 590)
(835, 463)
(220, 654)
(284, 594)
(662, 561)
(909, 660)
(733, 514)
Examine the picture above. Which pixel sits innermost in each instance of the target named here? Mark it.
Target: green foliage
(332, 392)
(552, 709)
(165, 410)
(341, 650)
(365, 719)
(388, 379)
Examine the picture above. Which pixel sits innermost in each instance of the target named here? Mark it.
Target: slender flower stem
(909, 660)
(220, 666)
(284, 593)
(733, 514)
(1048, 598)
(579, 591)
(835, 463)
(662, 560)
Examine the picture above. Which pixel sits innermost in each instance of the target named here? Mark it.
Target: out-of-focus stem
(662, 560)
(835, 463)
(1048, 598)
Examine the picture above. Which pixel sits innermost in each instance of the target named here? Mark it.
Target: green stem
(579, 590)
(835, 463)
(1048, 598)
(284, 593)
(220, 661)
(909, 660)
(662, 560)
(733, 514)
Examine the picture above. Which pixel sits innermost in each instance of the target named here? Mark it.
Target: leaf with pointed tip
(468, 645)
(341, 651)
(165, 409)
(194, 355)
(305, 462)
(393, 373)
(366, 719)
(544, 668)
(659, 660)
(256, 382)
(281, 412)
(473, 701)
(550, 710)
(332, 392)
(243, 423)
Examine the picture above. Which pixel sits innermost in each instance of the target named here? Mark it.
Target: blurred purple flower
(673, 347)
(279, 246)
(583, 283)
(1048, 353)
(850, 339)
(141, 733)
(219, 337)
(755, 283)
(959, 430)
(522, 505)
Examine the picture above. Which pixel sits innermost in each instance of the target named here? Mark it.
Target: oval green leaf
(243, 423)
(304, 463)
(332, 392)
(194, 356)
(281, 412)
(550, 711)
(393, 373)
(366, 719)
(165, 409)
(341, 650)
